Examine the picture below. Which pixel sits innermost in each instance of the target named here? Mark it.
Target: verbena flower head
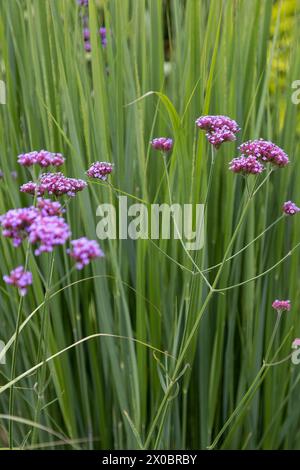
(42, 158)
(164, 144)
(16, 223)
(55, 184)
(102, 32)
(83, 3)
(19, 278)
(290, 208)
(31, 188)
(265, 151)
(48, 207)
(281, 305)
(86, 34)
(87, 46)
(246, 165)
(100, 170)
(48, 232)
(219, 129)
(84, 250)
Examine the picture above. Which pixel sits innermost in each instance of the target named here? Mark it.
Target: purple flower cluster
(100, 170)
(42, 158)
(87, 37)
(84, 250)
(83, 3)
(16, 223)
(290, 208)
(256, 153)
(219, 129)
(265, 151)
(246, 165)
(19, 278)
(48, 207)
(164, 144)
(281, 305)
(43, 224)
(48, 232)
(102, 32)
(55, 184)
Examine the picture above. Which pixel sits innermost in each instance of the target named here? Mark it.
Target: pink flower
(290, 208)
(55, 184)
(20, 279)
(87, 46)
(296, 342)
(164, 144)
(100, 170)
(48, 232)
(218, 129)
(281, 305)
(265, 151)
(31, 188)
(84, 250)
(48, 207)
(246, 165)
(42, 158)
(16, 223)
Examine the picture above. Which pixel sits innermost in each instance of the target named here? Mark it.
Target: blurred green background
(232, 57)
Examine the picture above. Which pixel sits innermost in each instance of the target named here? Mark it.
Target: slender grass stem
(193, 332)
(177, 229)
(42, 347)
(14, 358)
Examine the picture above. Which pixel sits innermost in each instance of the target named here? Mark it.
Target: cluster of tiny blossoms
(84, 250)
(86, 31)
(43, 224)
(218, 129)
(290, 208)
(16, 222)
(265, 151)
(55, 184)
(42, 158)
(100, 170)
(246, 165)
(87, 36)
(281, 305)
(19, 278)
(163, 144)
(255, 154)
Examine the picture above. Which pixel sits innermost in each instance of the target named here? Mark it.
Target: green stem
(14, 357)
(177, 230)
(42, 346)
(253, 387)
(193, 331)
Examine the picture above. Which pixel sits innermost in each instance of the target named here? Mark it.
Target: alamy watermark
(296, 352)
(296, 94)
(183, 222)
(2, 92)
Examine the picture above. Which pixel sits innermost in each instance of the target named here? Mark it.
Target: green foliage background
(220, 58)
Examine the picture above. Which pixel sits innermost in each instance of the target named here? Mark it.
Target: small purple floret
(19, 278)
(84, 250)
(219, 129)
(100, 170)
(281, 305)
(290, 208)
(164, 144)
(246, 165)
